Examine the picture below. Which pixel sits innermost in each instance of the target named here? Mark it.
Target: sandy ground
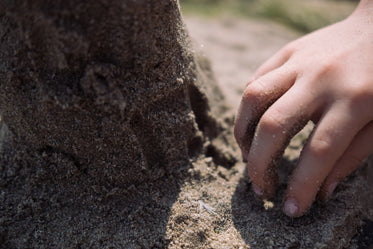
(207, 204)
(215, 207)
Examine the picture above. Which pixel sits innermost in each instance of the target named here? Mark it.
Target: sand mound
(114, 134)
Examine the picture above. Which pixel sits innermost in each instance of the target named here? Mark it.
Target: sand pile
(114, 134)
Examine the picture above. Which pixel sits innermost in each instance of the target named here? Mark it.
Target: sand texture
(116, 133)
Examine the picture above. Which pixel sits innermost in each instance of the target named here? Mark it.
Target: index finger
(257, 97)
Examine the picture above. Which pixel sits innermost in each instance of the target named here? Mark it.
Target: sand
(207, 203)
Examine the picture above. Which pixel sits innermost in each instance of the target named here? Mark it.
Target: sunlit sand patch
(268, 204)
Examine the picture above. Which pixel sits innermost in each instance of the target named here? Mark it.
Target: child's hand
(326, 77)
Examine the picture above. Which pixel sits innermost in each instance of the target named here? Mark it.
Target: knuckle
(320, 146)
(290, 48)
(360, 94)
(327, 68)
(290, 68)
(355, 98)
(253, 91)
(272, 121)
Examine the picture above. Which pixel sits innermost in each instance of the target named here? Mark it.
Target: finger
(276, 61)
(256, 98)
(360, 148)
(329, 140)
(286, 117)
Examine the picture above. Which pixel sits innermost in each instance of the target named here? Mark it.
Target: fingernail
(257, 190)
(331, 189)
(291, 207)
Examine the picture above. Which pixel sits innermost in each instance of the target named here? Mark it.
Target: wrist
(363, 14)
(365, 7)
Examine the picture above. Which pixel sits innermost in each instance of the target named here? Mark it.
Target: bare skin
(326, 77)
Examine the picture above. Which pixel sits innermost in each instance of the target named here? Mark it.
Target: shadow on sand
(324, 226)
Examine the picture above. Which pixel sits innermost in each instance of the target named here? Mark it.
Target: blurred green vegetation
(301, 15)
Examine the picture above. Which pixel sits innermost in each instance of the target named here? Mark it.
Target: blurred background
(237, 36)
(301, 15)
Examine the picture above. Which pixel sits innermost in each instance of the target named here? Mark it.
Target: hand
(326, 77)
